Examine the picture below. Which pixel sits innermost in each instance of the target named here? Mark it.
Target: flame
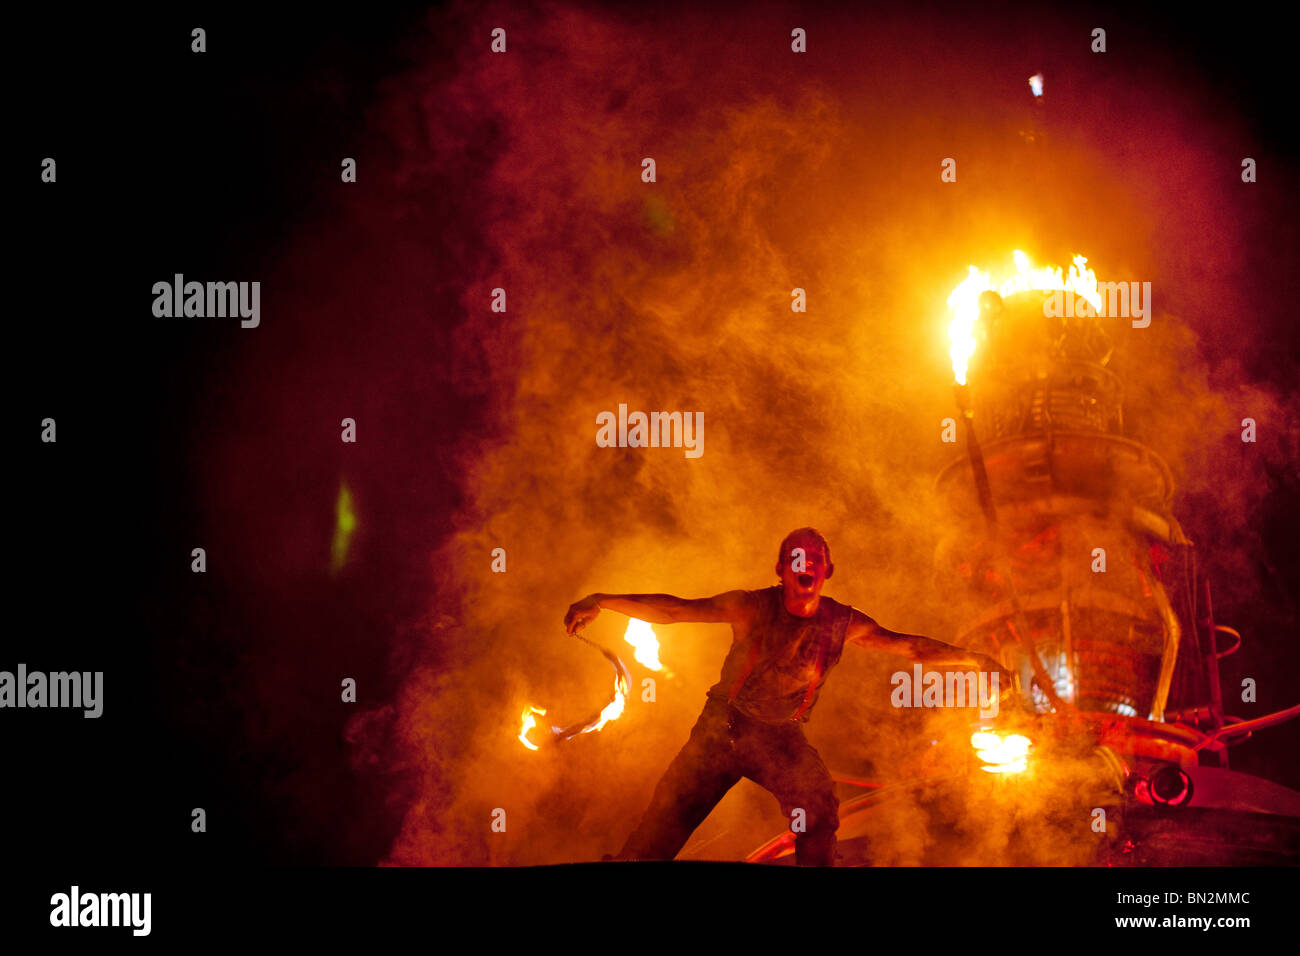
(1001, 754)
(642, 636)
(527, 722)
(611, 711)
(964, 301)
(964, 305)
(614, 709)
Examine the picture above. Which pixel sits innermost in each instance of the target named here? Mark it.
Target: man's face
(803, 576)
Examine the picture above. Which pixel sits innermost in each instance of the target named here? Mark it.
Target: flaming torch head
(977, 299)
(527, 722)
(642, 637)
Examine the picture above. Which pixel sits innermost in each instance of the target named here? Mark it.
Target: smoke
(775, 171)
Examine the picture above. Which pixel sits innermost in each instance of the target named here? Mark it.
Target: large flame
(1001, 754)
(642, 636)
(963, 304)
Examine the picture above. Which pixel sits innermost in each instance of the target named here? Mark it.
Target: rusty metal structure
(1073, 575)
(1063, 561)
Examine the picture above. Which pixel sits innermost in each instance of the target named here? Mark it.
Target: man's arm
(729, 607)
(865, 632)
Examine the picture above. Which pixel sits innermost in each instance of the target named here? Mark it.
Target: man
(787, 638)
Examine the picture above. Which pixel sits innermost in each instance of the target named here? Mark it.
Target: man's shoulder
(834, 606)
(767, 596)
(759, 602)
(837, 611)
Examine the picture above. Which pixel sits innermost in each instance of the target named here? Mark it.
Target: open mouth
(805, 580)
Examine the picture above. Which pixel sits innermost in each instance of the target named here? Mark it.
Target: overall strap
(755, 651)
(821, 663)
(812, 685)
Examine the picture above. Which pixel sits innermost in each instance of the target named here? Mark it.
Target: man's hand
(581, 613)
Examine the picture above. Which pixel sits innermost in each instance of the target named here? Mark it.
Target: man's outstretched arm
(926, 650)
(729, 607)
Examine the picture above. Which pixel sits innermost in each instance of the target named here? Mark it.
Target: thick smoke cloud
(775, 171)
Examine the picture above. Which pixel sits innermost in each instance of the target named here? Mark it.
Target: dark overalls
(752, 726)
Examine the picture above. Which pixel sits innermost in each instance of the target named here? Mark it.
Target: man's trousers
(724, 746)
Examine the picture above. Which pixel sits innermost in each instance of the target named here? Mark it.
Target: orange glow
(1001, 754)
(963, 304)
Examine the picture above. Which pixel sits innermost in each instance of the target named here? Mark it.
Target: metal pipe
(1268, 720)
(1212, 659)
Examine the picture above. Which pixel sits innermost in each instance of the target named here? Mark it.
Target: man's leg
(782, 761)
(699, 776)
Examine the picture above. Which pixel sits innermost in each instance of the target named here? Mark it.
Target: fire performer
(786, 640)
